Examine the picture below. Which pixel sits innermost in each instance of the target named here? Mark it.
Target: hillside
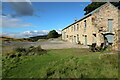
(8, 39)
(36, 38)
(32, 39)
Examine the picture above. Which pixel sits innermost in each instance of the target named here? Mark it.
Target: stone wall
(78, 29)
(101, 18)
(93, 24)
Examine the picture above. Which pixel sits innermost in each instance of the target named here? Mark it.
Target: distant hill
(36, 38)
(39, 37)
(8, 39)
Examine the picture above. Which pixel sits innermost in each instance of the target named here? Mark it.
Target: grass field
(63, 63)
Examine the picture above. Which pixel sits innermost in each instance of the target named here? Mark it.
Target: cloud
(10, 34)
(20, 8)
(34, 33)
(27, 34)
(59, 31)
(0, 7)
(13, 22)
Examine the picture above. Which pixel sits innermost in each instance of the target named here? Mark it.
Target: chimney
(75, 19)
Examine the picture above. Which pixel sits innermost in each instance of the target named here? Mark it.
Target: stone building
(97, 27)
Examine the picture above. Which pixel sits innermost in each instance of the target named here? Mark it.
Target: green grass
(64, 63)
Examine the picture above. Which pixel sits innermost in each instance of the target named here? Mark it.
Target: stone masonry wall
(93, 24)
(101, 19)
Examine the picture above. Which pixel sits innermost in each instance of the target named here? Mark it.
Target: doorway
(85, 40)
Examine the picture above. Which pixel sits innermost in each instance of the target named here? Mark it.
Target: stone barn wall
(101, 19)
(94, 22)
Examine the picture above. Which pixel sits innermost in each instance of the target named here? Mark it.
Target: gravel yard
(60, 45)
(48, 44)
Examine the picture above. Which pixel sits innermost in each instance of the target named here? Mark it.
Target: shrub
(18, 54)
(35, 50)
(12, 55)
(20, 49)
(31, 47)
(53, 34)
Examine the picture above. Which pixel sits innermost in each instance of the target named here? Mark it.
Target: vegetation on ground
(11, 60)
(62, 63)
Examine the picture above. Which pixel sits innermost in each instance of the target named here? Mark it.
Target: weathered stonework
(89, 29)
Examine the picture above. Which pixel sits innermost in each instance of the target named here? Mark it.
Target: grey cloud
(0, 7)
(21, 8)
(3, 14)
(24, 8)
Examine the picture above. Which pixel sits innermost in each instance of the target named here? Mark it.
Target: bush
(20, 49)
(12, 55)
(53, 34)
(18, 54)
(35, 50)
(31, 47)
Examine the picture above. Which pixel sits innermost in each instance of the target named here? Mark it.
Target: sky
(27, 19)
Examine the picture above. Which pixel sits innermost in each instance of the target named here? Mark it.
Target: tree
(52, 34)
(95, 5)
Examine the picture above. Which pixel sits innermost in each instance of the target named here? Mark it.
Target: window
(68, 29)
(80, 25)
(85, 40)
(74, 27)
(85, 24)
(77, 38)
(77, 26)
(67, 36)
(71, 29)
(93, 20)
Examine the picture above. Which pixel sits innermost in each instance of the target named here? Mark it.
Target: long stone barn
(99, 26)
